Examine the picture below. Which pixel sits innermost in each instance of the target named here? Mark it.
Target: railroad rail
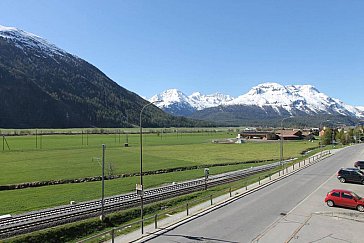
(37, 220)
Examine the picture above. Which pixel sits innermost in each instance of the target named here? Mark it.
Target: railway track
(37, 220)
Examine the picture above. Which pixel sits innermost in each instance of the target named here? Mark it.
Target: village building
(264, 135)
(286, 134)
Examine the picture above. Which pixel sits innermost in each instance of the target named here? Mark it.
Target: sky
(226, 46)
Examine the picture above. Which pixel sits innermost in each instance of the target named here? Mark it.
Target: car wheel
(342, 180)
(362, 182)
(331, 203)
(360, 208)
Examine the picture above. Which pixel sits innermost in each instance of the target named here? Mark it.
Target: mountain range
(264, 101)
(43, 86)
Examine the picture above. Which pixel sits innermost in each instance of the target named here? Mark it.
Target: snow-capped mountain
(200, 101)
(25, 40)
(42, 85)
(174, 102)
(290, 99)
(294, 98)
(360, 108)
(178, 103)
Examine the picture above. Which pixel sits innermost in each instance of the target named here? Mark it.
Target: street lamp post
(141, 163)
(281, 143)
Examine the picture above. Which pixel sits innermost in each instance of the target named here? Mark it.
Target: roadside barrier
(261, 181)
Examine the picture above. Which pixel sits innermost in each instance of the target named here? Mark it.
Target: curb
(218, 205)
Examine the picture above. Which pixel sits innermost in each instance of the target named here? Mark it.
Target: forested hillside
(44, 86)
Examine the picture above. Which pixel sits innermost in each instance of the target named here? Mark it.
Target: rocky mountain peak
(291, 99)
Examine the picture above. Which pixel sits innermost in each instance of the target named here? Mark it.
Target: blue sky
(210, 46)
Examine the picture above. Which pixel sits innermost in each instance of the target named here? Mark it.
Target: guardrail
(111, 234)
(32, 221)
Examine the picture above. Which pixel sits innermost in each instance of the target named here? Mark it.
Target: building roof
(256, 132)
(291, 136)
(289, 133)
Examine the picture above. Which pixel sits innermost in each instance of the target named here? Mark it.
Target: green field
(53, 157)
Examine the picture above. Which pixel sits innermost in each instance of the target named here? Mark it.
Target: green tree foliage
(358, 134)
(327, 137)
(343, 137)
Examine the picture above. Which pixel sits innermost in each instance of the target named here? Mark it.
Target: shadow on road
(199, 238)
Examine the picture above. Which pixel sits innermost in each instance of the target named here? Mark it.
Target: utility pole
(40, 140)
(5, 141)
(333, 136)
(281, 143)
(102, 217)
(36, 138)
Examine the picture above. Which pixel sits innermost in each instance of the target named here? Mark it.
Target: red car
(344, 198)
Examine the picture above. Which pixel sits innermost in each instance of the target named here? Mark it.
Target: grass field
(78, 156)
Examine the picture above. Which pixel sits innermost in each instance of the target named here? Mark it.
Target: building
(263, 135)
(290, 134)
(286, 134)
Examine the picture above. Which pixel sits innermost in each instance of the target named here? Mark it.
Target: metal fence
(154, 219)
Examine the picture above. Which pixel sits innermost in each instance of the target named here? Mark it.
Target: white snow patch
(25, 40)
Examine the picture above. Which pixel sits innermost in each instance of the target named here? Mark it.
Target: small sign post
(139, 190)
(207, 172)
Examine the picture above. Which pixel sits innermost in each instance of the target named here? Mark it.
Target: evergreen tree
(326, 138)
(343, 137)
(351, 135)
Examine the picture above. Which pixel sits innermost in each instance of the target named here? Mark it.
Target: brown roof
(290, 136)
(289, 133)
(256, 133)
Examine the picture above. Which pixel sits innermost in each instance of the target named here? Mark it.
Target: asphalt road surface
(247, 218)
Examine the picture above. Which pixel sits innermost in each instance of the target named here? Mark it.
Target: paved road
(313, 221)
(251, 218)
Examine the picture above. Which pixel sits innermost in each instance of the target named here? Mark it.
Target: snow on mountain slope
(169, 97)
(174, 102)
(196, 101)
(303, 97)
(200, 101)
(358, 111)
(268, 94)
(25, 40)
(292, 98)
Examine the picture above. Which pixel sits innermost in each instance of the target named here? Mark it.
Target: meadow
(53, 157)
